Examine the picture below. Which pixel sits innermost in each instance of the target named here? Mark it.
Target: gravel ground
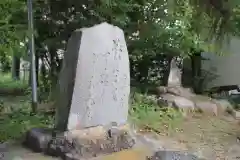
(213, 138)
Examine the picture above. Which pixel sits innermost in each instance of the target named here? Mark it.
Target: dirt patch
(13, 91)
(208, 137)
(211, 138)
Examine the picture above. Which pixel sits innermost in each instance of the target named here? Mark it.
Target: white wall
(226, 68)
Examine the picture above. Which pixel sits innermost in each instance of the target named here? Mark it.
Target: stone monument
(98, 89)
(92, 103)
(174, 78)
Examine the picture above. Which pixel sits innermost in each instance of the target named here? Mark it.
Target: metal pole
(32, 53)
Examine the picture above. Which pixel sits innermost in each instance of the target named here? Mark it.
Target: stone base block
(91, 142)
(38, 139)
(98, 132)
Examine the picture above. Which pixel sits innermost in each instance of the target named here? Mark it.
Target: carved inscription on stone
(102, 82)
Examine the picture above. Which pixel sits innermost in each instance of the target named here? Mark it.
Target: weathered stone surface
(58, 146)
(66, 81)
(236, 114)
(168, 97)
(98, 132)
(37, 139)
(207, 107)
(166, 100)
(174, 90)
(73, 146)
(86, 143)
(176, 96)
(102, 81)
(161, 90)
(183, 104)
(223, 104)
(185, 100)
(180, 91)
(163, 103)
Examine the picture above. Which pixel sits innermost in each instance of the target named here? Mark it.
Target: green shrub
(146, 114)
(6, 82)
(14, 122)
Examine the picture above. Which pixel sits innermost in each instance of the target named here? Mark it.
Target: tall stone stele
(174, 78)
(94, 83)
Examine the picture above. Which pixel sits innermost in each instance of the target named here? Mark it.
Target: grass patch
(14, 122)
(6, 82)
(148, 116)
(15, 118)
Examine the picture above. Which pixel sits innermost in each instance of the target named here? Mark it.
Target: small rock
(223, 104)
(166, 100)
(236, 114)
(168, 97)
(207, 107)
(174, 90)
(180, 91)
(149, 142)
(148, 99)
(161, 90)
(37, 139)
(70, 156)
(113, 131)
(183, 104)
(164, 103)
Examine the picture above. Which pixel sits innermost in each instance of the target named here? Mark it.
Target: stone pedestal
(91, 142)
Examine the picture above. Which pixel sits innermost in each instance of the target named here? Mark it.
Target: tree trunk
(15, 68)
(196, 72)
(53, 68)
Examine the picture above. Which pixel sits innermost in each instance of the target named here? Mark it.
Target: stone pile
(174, 95)
(185, 100)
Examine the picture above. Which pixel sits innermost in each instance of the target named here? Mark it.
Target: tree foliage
(154, 30)
(12, 25)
